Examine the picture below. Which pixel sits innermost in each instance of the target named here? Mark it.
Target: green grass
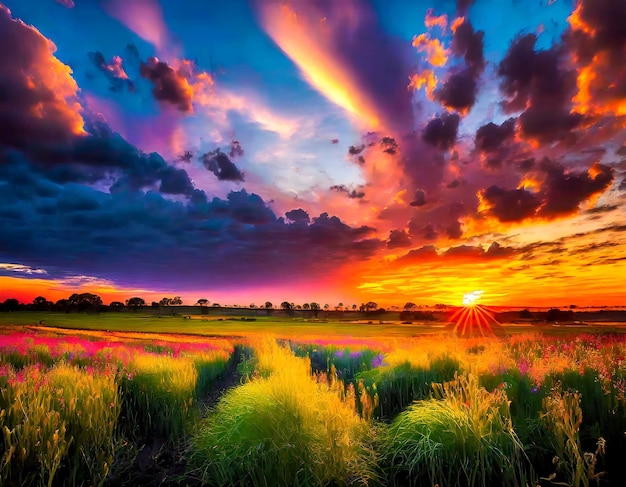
(233, 325)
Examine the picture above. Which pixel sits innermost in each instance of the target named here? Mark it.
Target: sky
(314, 150)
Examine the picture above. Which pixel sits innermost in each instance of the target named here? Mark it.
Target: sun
(471, 299)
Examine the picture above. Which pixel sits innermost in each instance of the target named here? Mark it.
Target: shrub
(462, 436)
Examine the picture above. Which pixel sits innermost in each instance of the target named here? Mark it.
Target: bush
(461, 437)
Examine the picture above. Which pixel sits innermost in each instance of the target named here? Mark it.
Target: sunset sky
(314, 150)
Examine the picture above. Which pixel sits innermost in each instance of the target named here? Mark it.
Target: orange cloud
(431, 21)
(436, 54)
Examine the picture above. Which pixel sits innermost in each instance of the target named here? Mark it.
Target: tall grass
(57, 424)
(283, 428)
(463, 436)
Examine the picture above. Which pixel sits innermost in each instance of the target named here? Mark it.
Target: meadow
(291, 402)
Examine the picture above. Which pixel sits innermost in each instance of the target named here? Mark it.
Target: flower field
(528, 410)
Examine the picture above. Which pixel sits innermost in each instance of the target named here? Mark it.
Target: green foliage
(463, 436)
(397, 387)
(283, 428)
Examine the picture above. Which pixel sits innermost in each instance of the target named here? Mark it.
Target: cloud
(398, 238)
(144, 18)
(419, 199)
(559, 194)
(113, 70)
(21, 269)
(598, 40)
(40, 96)
(490, 137)
(347, 57)
(441, 131)
(219, 164)
(539, 84)
(298, 216)
(460, 89)
(350, 193)
(169, 86)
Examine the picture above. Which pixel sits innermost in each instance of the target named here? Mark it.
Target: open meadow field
(99, 400)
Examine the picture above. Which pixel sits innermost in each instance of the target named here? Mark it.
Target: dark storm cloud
(441, 131)
(510, 205)
(489, 137)
(113, 71)
(389, 145)
(298, 216)
(219, 164)
(398, 238)
(134, 233)
(168, 85)
(460, 89)
(354, 150)
(540, 84)
(560, 194)
(454, 230)
(419, 199)
(350, 193)
(429, 253)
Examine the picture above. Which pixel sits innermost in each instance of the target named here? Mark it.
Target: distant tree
(85, 301)
(410, 306)
(306, 306)
(339, 306)
(252, 305)
(202, 302)
(11, 304)
(62, 305)
(370, 306)
(176, 301)
(216, 305)
(299, 306)
(315, 307)
(165, 302)
(288, 307)
(116, 305)
(42, 304)
(135, 302)
(354, 307)
(268, 307)
(326, 306)
(526, 314)
(154, 304)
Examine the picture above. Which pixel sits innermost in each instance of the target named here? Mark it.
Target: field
(98, 400)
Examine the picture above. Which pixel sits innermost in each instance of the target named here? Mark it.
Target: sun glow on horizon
(471, 299)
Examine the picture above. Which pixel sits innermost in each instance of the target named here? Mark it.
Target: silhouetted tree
(62, 305)
(526, 314)
(85, 301)
(370, 306)
(11, 304)
(176, 301)
(216, 305)
(202, 302)
(116, 305)
(165, 302)
(154, 304)
(315, 307)
(135, 302)
(42, 304)
(268, 307)
(288, 307)
(410, 306)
